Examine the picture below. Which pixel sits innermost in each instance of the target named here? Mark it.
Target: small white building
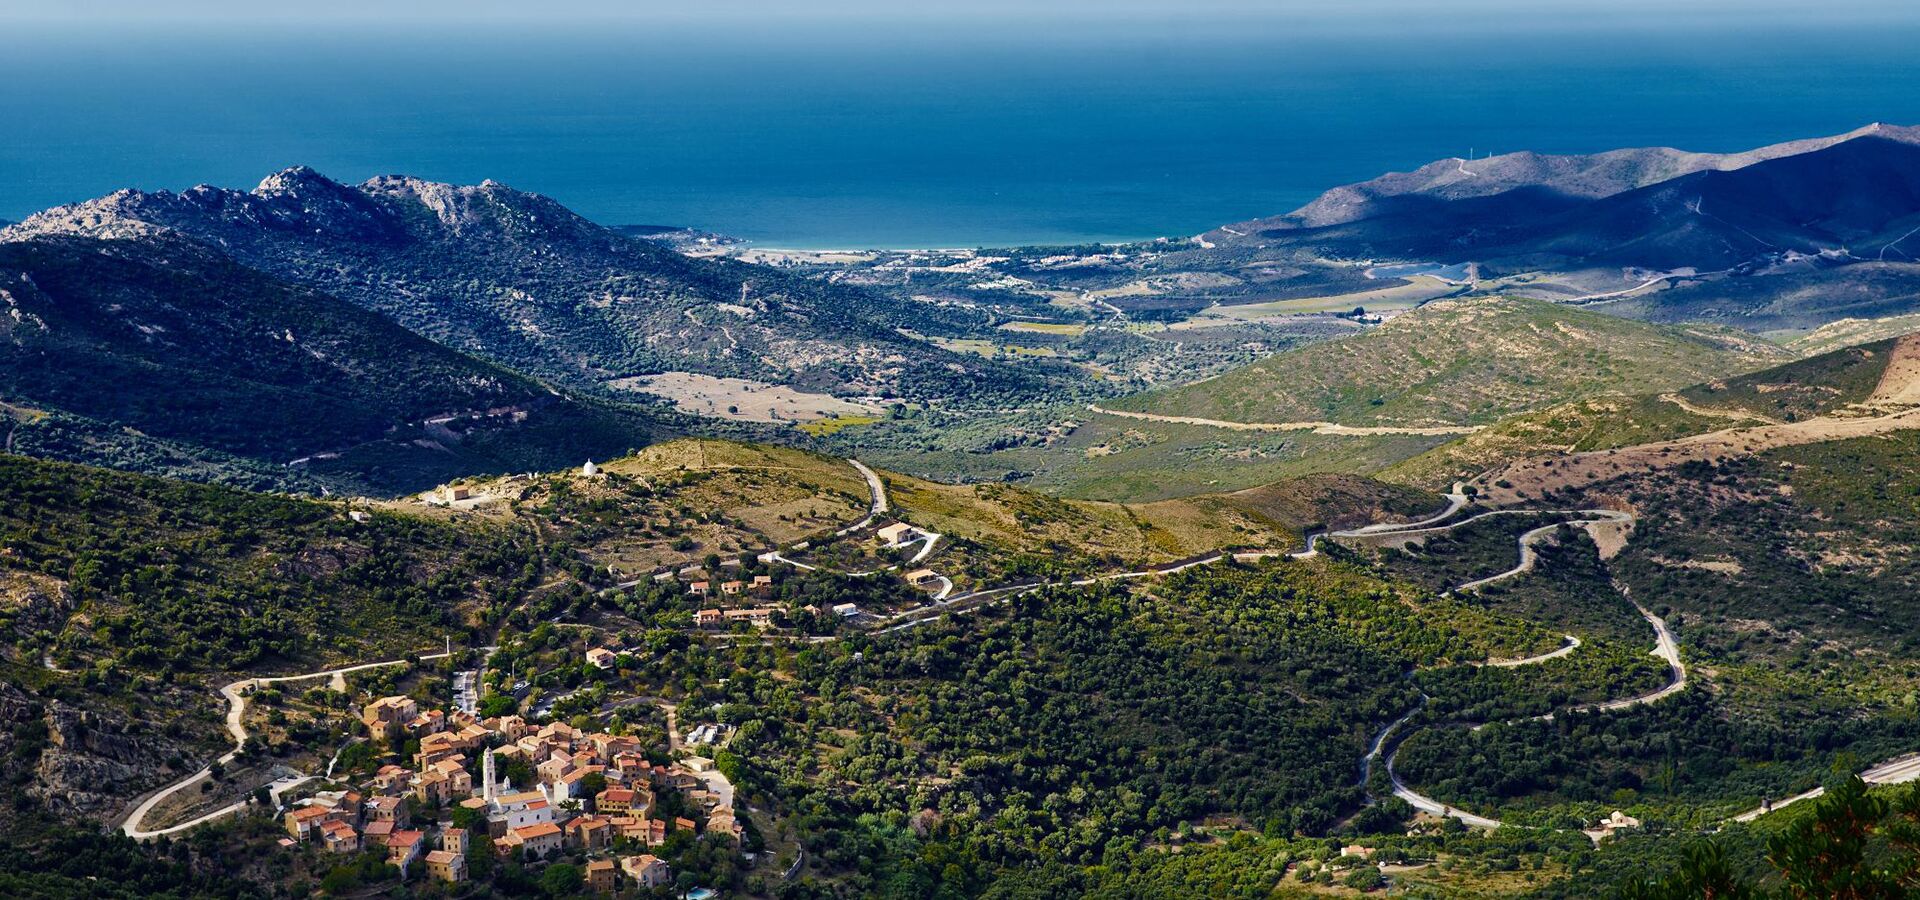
(896, 534)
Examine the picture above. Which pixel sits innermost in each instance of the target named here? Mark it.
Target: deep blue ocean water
(830, 136)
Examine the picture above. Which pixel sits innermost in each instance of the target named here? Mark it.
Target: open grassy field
(740, 399)
(1021, 520)
(833, 424)
(673, 504)
(1108, 458)
(1459, 362)
(1064, 329)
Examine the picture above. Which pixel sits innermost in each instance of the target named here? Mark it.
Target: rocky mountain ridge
(517, 278)
(1589, 176)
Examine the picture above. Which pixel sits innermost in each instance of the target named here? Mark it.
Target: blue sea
(912, 134)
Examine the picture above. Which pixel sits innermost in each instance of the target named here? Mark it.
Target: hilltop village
(594, 794)
(531, 767)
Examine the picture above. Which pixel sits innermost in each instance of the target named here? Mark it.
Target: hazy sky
(1399, 14)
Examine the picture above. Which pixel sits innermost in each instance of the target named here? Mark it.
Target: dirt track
(1896, 398)
(1531, 478)
(1315, 427)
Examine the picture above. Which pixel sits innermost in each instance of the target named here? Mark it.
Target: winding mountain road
(1529, 555)
(236, 696)
(1572, 643)
(1456, 500)
(877, 504)
(1664, 646)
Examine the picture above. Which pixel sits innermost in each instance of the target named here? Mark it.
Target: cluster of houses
(592, 792)
(714, 617)
(760, 586)
(702, 585)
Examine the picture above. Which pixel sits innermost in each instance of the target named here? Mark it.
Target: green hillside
(1819, 385)
(137, 572)
(1463, 362)
(1801, 389)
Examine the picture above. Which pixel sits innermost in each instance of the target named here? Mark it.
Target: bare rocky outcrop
(79, 763)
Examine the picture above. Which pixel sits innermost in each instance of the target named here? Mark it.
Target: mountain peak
(295, 180)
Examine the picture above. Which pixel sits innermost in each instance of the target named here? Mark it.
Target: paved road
(1664, 646)
(1899, 770)
(235, 695)
(1455, 501)
(974, 599)
(877, 504)
(1531, 540)
(1431, 806)
(1567, 647)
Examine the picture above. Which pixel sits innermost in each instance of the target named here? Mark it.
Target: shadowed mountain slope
(166, 339)
(517, 278)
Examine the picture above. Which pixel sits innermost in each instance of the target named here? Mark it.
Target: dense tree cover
(1595, 672)
(45, 860)
(1570, 590)
(1445, 559)
(58, 435)
(897, 856)
(178, 576)
(1851, 844)
(1068, 723)
(1056, 743)
(1817, 540)
(1679, 754)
